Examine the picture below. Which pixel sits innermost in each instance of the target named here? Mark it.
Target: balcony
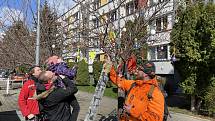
(159, 38)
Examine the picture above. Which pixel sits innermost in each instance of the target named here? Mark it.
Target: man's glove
(107, 65)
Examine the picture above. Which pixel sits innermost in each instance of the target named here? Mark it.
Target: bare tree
(141, 18)
(61, 31)
(18, 40)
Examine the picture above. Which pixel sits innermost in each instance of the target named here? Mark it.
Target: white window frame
(156, 53)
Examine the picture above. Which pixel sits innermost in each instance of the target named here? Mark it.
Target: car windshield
(4, 73)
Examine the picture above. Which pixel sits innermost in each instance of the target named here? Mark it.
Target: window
(165, 22)
(127, 9)
(93, 42)
(96, 4)
(158, 52)
(152, 53)
(158, 24)
(151, 25)
(95, 23)
(131, 7)
(76, 16)
(113, 15)
(136, 4)
(162, 52)
(162, 24)
(152, 2)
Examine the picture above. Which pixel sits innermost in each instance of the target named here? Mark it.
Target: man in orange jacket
(144, 100)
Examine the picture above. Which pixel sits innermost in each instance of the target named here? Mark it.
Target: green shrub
(97, 68)
(83, 77)
(71, 64)
(22, 69)
(210, 97)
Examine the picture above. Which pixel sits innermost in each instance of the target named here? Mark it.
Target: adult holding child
(54, 98)
(59, 69)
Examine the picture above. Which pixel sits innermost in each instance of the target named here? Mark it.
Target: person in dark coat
(55, 102)
(59, 67)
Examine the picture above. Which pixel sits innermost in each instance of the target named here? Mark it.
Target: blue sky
(11, 10)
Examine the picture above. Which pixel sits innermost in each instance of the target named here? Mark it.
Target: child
(59, 67)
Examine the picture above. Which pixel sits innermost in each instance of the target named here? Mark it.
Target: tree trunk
(198, 104)
(193, 101)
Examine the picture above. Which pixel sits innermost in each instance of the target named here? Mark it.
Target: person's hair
(32, 70)
(42, 77)
(151, 76)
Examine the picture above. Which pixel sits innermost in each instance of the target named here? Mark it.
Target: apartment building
(92, 15)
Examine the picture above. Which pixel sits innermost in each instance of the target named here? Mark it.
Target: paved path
(108, 105)
(183, 117)
(9, 103)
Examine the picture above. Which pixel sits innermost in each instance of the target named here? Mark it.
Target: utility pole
(38, 34)
(121, 93)
(118, 22)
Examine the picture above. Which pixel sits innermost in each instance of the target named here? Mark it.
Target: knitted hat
(52, 60)
(149, 68)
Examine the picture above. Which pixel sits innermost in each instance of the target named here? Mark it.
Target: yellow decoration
(103, 19)
(78, 55)
(70, 19)
(112, 35)
(102, 57)
(92, 55)
(70, 60)
(104, 2)
(174, 50)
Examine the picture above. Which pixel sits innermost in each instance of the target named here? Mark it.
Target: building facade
(87, 20)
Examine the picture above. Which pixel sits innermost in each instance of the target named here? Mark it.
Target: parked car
(4, 73)
(19, 77)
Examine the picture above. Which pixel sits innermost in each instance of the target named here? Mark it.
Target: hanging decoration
(112, 36)
(103, 19)
(92, 55)
(78, 55)
(173, 58)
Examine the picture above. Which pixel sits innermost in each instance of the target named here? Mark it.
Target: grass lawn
(108, 91)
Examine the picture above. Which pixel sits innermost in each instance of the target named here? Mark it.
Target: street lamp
(173, 59)
(153, 32)
(124, 29)
(136, 45)
(52, 50)
(53, 46)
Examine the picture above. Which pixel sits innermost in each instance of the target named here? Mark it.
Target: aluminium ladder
(97, 97)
